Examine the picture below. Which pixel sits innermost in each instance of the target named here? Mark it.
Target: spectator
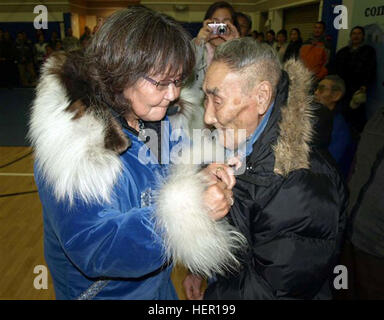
(205, 45)
(270, 37)
(363, 254)
(86, 36)
(329, 92)
(40, 51)
(356, 65)
(281, 44)
(27, 40)
(39, 32)
(9, 71)
(25, 61)
(70, 42)
(316, 50)
(59, 46)
(254, 34)
(290, 202)
(244, 23)
(54, 39)
(48, 51)
(260, 37)
(293, 49)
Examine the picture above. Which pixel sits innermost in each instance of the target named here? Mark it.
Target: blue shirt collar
(253, 137)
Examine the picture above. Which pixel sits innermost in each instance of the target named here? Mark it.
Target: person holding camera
(212, 35)
(220, 25)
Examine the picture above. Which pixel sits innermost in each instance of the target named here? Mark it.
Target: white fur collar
(70, 153)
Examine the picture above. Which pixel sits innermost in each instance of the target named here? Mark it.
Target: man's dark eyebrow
(214, 91)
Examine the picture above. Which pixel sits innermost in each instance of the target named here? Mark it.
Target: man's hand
(221, 172)
(192, 287)
(218, 196)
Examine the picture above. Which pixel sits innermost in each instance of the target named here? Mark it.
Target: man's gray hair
(258, 61)
(338, 84)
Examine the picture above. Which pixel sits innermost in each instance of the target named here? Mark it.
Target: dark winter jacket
(290, 204)
(366, 207)
(357, 67)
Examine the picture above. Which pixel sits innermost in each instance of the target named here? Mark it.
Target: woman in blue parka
(116, 215)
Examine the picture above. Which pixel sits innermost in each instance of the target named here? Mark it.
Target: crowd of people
(21, 58)
(267, 222)
(355, 64)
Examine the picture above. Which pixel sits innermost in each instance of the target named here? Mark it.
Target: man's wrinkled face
(228, 107)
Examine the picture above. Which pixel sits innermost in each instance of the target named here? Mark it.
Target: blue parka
(84, 243)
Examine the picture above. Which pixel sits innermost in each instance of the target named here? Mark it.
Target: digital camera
(218, 28)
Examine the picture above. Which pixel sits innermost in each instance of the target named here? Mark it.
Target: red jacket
(315, 55)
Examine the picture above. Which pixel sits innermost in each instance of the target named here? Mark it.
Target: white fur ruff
(70, 153)
(191, 236)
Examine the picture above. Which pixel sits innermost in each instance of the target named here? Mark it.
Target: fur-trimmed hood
(292, 147)
(70, 142)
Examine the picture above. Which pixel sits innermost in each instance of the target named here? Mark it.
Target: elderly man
(289, 201)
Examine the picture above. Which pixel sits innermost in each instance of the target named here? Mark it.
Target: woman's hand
(204, 33)
(232, 32)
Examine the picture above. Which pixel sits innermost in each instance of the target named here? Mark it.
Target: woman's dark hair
(360, 28)
(221, 5)
(298, 32)
(271, 32)
(132, 43)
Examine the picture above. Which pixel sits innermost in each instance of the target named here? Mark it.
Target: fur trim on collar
(70, 147)
(292, 147)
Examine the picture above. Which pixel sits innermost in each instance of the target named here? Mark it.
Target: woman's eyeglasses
(162, 85)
